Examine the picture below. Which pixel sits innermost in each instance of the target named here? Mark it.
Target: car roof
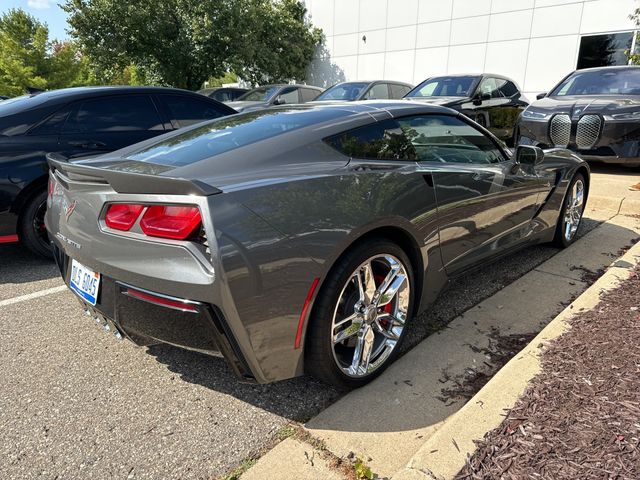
(612, 67)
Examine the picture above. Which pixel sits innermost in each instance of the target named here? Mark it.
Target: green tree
(29, 59)
(634, 56)
(23, 52)
(184, 42)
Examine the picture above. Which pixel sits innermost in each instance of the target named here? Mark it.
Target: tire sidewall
(560, 239)
(319, 345)
(28, 237)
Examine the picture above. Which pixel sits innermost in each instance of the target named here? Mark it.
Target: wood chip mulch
(580, 417)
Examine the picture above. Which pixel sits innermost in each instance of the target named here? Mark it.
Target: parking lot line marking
(29, 296)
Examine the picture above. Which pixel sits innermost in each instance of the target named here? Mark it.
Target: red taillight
(170, 221)
(50, 187)
(122, 216)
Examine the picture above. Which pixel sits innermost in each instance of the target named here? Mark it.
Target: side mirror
(529, 155)
(479, 97)
(279, 100)
(541, 95)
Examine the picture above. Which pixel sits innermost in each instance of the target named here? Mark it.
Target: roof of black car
(612, 67)
(88, 91)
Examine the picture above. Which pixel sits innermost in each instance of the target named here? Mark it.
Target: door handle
(87, 145)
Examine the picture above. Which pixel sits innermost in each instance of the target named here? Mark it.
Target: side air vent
(588, 132)
(560, 130)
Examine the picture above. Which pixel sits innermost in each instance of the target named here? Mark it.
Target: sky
(46, 11)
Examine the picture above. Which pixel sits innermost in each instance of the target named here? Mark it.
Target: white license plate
(84, 282)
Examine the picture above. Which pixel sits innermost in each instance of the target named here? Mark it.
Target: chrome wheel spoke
(347, 333)
(368, 320)
(390, 291)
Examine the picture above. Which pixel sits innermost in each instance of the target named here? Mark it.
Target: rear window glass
(230, 133)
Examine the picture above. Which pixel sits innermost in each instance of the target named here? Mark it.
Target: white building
(535, 42)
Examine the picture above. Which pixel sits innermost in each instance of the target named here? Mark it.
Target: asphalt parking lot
(74, 402)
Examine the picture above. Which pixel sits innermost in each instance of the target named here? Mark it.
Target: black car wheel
(571, 214)
(361, 314)
(32, 231)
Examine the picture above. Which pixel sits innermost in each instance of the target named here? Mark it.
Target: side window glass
(379, 141)
(508, 89)
(52, 125)
(378, 91)
(187, 111)
(124, 113)
(289, 95)
(399, 91)
(447, 139)
(308, 95)
(489, 86)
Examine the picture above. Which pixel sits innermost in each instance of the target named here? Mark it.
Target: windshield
(601, 82)
(343, 91)
(260, 94)
(229, 133)
(445, 87)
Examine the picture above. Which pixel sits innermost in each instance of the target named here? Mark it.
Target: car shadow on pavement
(19, 265)
(299, 399)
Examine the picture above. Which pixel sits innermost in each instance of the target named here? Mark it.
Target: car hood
(241, 106)
(581, 104)
(444, 101)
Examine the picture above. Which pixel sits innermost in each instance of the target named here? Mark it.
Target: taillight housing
(177, 222)
(122, 216)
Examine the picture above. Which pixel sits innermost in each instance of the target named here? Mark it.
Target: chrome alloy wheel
(370, 315)
(573, 212)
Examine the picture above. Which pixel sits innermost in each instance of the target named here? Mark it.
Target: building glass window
(604, 50)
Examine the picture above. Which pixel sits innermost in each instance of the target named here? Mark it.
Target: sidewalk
(394, 422)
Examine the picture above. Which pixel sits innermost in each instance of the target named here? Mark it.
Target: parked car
(370, 90)
(271, 95)
(493, 101)
(78, 122)
(595, 112)
(224, 94)
(301, 238)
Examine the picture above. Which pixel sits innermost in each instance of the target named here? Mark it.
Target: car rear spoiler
(128, 182)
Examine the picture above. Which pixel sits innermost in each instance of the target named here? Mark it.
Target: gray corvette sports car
(300, 239)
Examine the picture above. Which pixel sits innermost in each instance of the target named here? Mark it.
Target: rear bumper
(204, 330)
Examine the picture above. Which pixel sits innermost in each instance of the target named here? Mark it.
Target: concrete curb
(445, 452)
(623, 206)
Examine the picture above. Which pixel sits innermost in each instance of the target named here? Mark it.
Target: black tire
(319, 354)
(560, 239)
(31, 227)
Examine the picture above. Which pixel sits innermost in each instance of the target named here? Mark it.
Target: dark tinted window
(445, 87)
(52, 125)
(508, 89)
(260, 94)
(222, 95)
(399, 91)
(379, 141)
(604, 50)
(445, 139)
(231, 132)
(308, 94)
(114, 114)
(625, 81)
(187, 111)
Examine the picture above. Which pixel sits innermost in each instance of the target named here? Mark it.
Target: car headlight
(626, 116)
(533, 115)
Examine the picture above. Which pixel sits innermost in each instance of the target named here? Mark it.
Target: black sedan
(369, 90)
(594, 112)
(301, 238)
(494, 101)
(271, 95)
(78, 122)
